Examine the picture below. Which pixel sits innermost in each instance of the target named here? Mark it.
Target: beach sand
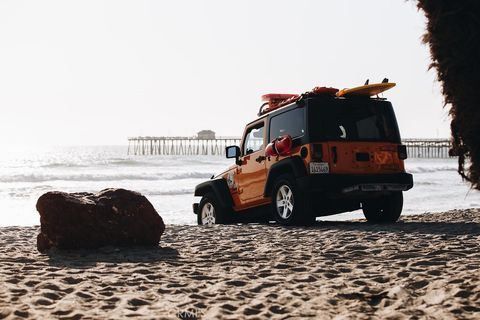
(426, 266)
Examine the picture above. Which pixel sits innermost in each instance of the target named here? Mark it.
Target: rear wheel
(289, 206)
(209, 211)
(386, 209)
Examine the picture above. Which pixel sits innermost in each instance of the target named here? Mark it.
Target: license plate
(319, 167)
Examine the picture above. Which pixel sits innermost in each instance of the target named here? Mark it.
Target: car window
(291, 122)
(254, 139)
(353, 120)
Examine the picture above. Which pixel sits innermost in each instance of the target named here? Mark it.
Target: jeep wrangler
(320, 153)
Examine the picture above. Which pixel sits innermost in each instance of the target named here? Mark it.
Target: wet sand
(427, 266)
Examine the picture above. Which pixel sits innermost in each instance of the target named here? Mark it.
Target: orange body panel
(383, 157)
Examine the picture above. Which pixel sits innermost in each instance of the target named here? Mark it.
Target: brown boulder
(116, 217)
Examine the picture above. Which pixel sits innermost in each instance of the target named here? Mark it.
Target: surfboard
(366, 90)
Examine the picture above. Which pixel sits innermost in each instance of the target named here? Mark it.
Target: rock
(116, 217)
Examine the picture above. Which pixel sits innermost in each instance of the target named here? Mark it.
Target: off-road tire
(386, 209)
(211, 206)
(289, 206)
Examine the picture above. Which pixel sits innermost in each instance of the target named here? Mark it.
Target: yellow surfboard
(366, 90)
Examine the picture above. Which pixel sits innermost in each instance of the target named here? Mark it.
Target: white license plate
(319, 167)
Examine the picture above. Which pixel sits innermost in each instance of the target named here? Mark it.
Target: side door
(252, 173)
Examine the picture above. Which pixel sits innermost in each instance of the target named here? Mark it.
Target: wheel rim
(208, 214)
(285, 202)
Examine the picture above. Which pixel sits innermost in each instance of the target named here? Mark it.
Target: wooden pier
(416, 148)
(179, 146)
(428, 148)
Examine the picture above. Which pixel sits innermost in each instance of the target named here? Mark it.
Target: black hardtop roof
(294, 104)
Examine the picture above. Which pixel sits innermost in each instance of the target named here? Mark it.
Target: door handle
(260, 159)
(334, 153)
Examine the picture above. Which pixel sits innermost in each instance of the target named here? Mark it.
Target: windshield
(352, 120)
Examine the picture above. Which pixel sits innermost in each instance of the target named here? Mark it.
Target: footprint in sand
(83, 295)
(202, 277)
(51, 295)
(331, 275)
(251, 311)
(236, 283)
(19, 292)
(71, 280)
(137, 302)
(299, 269)
(21, 314)
(418, 284)
(229, 307)
(106, 293)
(32, 283)
(278, 309)
(61, 312)
(43, 302)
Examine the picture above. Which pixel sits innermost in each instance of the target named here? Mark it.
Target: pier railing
(416, 148)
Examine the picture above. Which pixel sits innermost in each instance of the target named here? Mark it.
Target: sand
(427, 266)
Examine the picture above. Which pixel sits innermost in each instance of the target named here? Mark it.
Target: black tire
(289, 206)
(386, 209)
(211, 206)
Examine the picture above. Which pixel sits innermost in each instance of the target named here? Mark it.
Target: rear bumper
(350, 184)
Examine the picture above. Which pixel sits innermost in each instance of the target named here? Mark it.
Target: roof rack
(273, 101)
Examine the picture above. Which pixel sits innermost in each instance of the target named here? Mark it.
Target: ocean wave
(167, 192)
(23, 193)
(190, 175)
(103, 177)
(430, 169)
(132, 163)
(63, 165)
(100, 163)
(425, 183)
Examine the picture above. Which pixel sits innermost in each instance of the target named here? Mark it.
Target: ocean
(168, 181)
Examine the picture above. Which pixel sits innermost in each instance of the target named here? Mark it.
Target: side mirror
(233, 152)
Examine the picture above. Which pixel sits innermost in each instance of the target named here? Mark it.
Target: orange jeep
(320, 153)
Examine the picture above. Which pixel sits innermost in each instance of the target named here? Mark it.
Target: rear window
(291, 122)
(352, 120)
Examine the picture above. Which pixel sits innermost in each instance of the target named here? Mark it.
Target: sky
(96, 72)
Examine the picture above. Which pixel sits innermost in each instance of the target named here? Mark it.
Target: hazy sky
(95, 72)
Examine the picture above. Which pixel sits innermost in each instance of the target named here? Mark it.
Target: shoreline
(426, 265)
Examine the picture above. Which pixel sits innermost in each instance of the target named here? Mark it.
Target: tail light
(402, 152)
(317, 151)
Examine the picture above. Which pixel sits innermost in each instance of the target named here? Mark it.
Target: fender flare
(218, 187)
(293, 165)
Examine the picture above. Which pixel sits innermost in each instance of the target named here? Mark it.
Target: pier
(416, 148)
(178, 146)
(428, 148)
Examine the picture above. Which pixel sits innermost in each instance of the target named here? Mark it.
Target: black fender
(219, 188)
(293, 165)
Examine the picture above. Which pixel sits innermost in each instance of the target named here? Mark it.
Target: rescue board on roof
(366, 90)
(274, 101)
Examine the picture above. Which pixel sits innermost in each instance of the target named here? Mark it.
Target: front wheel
(209, 211)
(289, 206)
(386, 209)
